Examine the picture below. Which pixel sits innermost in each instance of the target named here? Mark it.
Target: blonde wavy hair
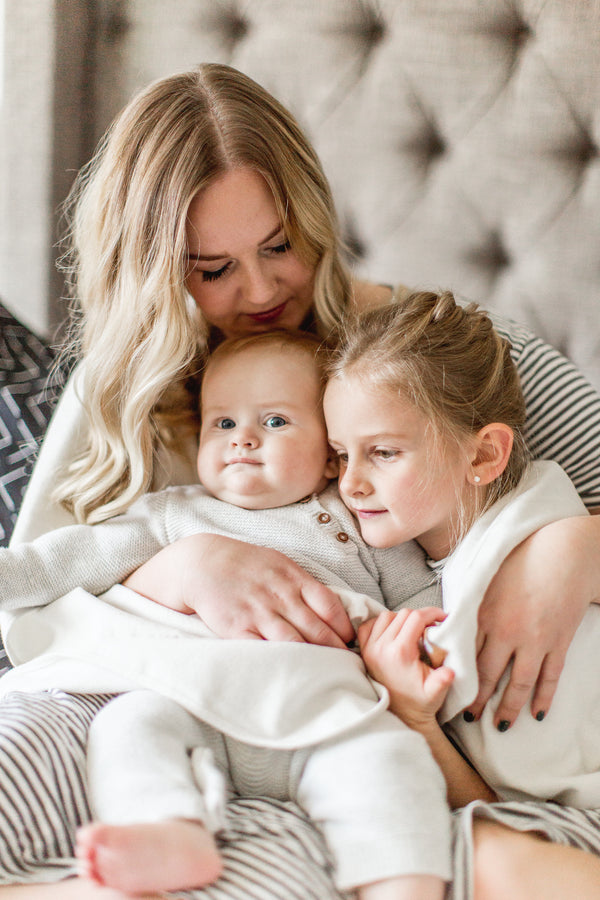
(142, 339)
(452, 365)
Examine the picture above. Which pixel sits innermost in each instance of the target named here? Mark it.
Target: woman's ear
(492, 451)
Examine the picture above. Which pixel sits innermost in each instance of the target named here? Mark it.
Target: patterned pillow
(25, 407)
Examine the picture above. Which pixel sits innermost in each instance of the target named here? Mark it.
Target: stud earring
(476, 479)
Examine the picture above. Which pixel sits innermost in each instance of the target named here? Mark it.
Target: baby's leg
(380, 800)
(162, 856)
(155, 826)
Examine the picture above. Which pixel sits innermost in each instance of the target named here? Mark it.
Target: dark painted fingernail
(468, 716)
(504, 725)
(540, 715)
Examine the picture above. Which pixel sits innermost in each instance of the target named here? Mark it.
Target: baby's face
(263, 441)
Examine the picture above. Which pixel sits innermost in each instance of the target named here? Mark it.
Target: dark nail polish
(540, 715)
(468, 716)
(504, 725)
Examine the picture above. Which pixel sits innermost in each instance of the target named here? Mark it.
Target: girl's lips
(368, 513)
(269, 315)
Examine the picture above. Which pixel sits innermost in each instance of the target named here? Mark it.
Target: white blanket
(273, 694)
(558, 758)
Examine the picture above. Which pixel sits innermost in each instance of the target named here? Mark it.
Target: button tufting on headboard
(441, 124)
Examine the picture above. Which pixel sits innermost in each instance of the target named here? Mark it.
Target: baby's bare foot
(160, 856)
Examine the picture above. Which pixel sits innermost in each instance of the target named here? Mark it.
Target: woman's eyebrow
(198, 256)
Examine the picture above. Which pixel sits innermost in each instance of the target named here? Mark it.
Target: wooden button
(342, 537)
(324, 518)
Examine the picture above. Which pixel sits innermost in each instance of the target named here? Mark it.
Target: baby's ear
(493, 447)
(332, 468)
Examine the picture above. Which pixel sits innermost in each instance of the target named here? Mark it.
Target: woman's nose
(259, 287)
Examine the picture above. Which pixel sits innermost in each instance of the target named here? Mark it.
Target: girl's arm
(391, 647)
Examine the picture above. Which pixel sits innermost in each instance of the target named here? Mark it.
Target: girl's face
(392, 478)
(242, 272)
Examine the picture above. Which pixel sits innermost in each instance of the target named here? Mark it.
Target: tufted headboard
(461, 137)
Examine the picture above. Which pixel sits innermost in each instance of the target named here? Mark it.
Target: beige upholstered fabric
(461, 136)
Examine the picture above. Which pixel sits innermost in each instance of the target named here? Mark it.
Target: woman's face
(242, 272)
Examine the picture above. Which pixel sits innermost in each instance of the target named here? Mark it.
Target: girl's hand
(391, 647)
(531, 612)
(243, 591)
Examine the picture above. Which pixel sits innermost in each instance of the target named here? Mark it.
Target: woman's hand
(243, 591)
(531, 612)
(391, 648)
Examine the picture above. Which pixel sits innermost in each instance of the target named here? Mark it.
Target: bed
(461, 139)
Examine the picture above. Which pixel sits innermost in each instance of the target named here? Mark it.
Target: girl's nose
(352, 480)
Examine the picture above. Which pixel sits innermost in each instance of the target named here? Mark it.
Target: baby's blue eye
(225, 423)
(275, 422)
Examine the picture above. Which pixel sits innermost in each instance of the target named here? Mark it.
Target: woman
(206, 214)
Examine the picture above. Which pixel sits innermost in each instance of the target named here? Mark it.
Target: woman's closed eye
(215, 274)
(280, 248)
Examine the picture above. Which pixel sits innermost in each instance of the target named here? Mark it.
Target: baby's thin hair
(294, 341)
(449, 362)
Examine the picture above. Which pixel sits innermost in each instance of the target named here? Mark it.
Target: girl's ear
(492, 451)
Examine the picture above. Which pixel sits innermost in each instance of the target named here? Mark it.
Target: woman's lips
(269, 315)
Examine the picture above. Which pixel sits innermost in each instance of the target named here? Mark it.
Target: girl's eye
(214, 275)
(275, 422)
(225, 424)
(342, 458)
(385, 453)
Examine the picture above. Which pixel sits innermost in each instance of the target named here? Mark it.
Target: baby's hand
(391, 646)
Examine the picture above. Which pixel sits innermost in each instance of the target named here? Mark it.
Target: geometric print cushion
(25, 407)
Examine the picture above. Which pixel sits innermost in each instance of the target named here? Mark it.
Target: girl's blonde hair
(451, 364)
(135, 326)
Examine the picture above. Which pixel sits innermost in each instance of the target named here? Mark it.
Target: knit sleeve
(94, 557)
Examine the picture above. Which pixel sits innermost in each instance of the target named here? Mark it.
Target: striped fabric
(563, 410)
(270, 849)
(578, 828)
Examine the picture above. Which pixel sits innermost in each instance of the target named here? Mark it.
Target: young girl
(425, 412)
